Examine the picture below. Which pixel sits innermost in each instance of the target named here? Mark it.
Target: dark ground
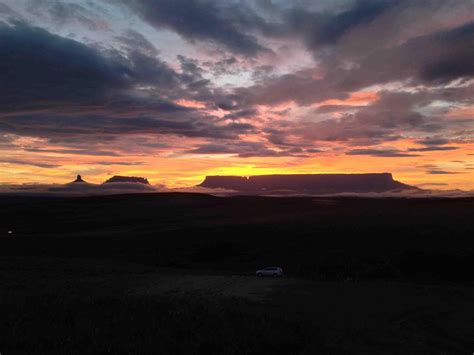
(173, 273)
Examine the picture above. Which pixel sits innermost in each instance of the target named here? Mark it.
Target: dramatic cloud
(432, 59)
(386, 153)
(85, 88)
(247, 149)
(86, 126)
(43, 71)
(23, 162)
(441, 172)
(320, 29)
(38, 68)
(431, 149)
(198, 20)
(176, 89)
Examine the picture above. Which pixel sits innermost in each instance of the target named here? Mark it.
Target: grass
(73, 306)
(54, 325)
(91, 308)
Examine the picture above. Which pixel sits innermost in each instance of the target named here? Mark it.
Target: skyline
(177, 90)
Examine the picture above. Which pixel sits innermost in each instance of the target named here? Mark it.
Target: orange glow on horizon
(452, 168)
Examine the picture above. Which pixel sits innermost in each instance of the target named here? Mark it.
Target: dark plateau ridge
(134, 179)
(308, 183)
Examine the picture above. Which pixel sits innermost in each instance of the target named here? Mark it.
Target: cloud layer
(235, 85)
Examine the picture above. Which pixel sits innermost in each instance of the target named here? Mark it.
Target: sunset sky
(174, 90)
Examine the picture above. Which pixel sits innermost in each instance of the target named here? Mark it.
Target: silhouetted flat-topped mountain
(135, 179)
(307, 183)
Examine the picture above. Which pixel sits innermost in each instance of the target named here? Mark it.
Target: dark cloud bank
(62, 89)
(56, 87)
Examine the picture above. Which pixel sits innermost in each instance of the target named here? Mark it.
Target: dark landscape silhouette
(135, 271)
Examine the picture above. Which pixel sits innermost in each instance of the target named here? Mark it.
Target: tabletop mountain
(307, 183)
(134, 179)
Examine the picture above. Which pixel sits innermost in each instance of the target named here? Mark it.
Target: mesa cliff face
(307, 183)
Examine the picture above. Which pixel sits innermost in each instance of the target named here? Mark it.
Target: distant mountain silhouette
(307, 183)
(135, 179)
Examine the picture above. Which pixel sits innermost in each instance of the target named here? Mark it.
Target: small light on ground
(10, 232)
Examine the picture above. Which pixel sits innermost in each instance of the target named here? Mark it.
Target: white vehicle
(270, 271)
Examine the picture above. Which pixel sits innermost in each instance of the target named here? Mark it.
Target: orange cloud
(463, 112)
(360, 98)
(190, 103)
